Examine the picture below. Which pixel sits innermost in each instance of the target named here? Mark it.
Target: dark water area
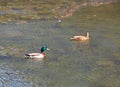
(94, 63)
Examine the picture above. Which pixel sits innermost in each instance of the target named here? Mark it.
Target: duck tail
(27, 55)
(71, 38)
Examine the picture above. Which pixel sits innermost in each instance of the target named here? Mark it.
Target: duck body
(40, 55)
(35, 55)
(81, 38)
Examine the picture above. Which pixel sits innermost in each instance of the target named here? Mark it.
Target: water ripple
(12, 78)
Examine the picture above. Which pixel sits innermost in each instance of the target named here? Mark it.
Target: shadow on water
(68, 64)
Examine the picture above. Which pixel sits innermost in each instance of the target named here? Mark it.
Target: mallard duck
(40, 55)
(81, 38)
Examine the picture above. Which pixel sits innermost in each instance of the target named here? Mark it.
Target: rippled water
(68, 64)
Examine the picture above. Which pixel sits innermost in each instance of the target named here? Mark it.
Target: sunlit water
(94, 63)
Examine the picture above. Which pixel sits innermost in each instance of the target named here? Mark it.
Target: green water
(68, 64)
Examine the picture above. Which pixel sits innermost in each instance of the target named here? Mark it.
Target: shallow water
(68, 64)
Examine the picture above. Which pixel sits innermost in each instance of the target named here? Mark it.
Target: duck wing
(33, 54)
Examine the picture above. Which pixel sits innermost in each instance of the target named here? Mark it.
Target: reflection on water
(13, 78)
(69, 63)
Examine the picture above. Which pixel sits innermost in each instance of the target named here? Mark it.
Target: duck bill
(48, 49)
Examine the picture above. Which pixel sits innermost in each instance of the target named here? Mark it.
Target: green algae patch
(17, 10)
(91, 16)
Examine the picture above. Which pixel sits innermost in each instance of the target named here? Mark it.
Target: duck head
(87, 34)
(44, 48)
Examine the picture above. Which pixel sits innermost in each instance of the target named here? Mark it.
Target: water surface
(68, 64)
